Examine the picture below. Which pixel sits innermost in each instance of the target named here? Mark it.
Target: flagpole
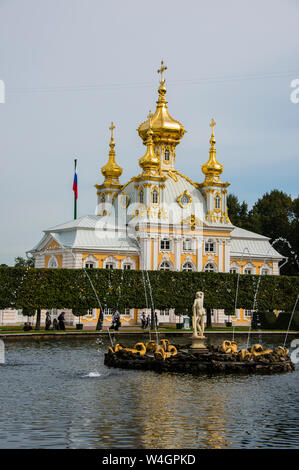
(75, 199)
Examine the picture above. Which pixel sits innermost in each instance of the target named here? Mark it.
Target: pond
(58, 394)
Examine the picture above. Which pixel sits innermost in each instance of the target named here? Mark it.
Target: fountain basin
(211, 362)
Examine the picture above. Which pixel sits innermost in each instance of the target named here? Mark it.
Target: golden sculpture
(160, 351)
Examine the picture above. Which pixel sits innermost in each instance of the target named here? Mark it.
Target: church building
(159, 220)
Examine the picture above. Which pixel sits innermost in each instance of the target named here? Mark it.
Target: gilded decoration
(184, 199)
(111, 171)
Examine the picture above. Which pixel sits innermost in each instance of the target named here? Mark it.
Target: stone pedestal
(199, 344)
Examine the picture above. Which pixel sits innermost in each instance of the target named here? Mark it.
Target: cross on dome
(161, 70)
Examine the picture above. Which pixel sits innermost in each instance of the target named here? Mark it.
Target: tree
(237, 212)
(275, 215)
(21, 262)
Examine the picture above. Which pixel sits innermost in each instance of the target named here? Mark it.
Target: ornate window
(155, 197)
(53, 263)
(187, 266)
(265, 271)
(128, 263)
(210, 246)
(165, 245)
(103, 198)
(166, 155)
(217, 202)
(110, 263)
(89, 265)
(141, 196)
(247, 271)
(187, 244)
(247, 313)
(210, 268)
(165, 266)
(90, 262)
(234, 268)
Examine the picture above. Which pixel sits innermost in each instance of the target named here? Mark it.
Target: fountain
(199, 357)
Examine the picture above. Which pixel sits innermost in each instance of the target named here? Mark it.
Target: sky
(71, 67)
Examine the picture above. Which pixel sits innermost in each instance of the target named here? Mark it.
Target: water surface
(58, 394)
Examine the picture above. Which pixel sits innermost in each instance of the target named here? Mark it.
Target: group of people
(146, 321)
(58, 323)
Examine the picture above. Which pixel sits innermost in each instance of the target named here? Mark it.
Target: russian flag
(75, 183)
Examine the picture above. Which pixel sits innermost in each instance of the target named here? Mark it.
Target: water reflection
(61, 395)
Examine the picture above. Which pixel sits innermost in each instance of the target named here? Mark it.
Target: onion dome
(112, 170)
(149, 161)
(165, 128)
(212, 169)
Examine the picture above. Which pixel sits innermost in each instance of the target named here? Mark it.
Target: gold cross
(213, 123)
(111, 129)
(161, 70)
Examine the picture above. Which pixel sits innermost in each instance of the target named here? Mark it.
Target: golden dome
(165, 128)
(112, 170)
(212, 169)
(149, 161)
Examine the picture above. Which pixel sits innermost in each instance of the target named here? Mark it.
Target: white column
(220, 256)
(199, 254)
(227, 256)
(177, 254)
(155, 254)
(148, 253)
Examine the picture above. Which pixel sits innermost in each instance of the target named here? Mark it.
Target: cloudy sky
(72, 66)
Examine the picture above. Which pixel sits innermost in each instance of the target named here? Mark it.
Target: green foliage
(24, 262)
(269, 321)
(70, 288)
(276, 216)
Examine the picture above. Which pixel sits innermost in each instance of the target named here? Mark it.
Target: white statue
(198, 316)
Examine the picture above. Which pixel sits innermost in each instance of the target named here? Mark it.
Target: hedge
(269, 321)
(33, 288)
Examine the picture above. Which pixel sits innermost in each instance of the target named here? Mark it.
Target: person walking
(143, 321)
(61, 321)
(48, 321)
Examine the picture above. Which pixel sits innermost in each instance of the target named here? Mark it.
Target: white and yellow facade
(160, 218)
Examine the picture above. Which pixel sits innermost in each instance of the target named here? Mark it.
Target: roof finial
(213, 123)
(111, 128)
(161, 70)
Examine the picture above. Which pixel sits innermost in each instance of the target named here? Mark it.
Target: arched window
(127, 266)
(187, 267)
(217, 202)
(165, 266)
(166, 155)
(103, 198)
(210, 268)
(155, 196)
(53, 263)
(141, 196)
